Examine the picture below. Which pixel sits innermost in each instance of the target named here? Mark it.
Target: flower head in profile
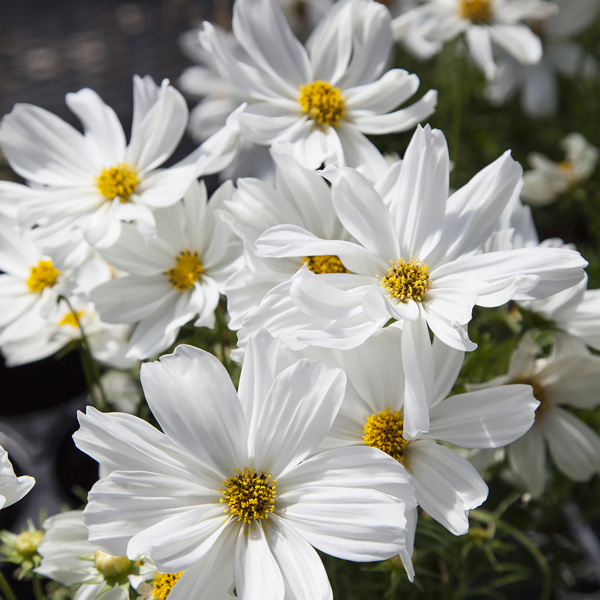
(484, 23)
(549, 179)
(233, 492)
(323, 98)
(12, 488)
(68, 558)
(567, 378)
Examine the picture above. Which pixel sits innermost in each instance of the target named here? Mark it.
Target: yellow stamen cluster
(324, 263)
(186, 272)
(71, 319)
(539, 391)
(248, 495)
(163, 584)
(477, 11)
(406, 280)
(383, 430)
(323, 102)
(43, 275)
(120, 181)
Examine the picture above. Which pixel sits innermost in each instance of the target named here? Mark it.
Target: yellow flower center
(163, 583)
(477, 11)
(43, 275)
(322, 102)
(27, 543)
(325, 263)
(539, 391)
(186, 272)
(114, 569)
(384, 430)
(120, 181)
(71, 319)
(248, 495)
(406, 280)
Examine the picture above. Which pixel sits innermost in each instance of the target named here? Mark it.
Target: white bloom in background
(417, 256)
(374, 413)
(537, 84)
(484, 23)
(87, 183)
(549, 179)
(172, 278)
(322, 99)
(12, 488)
(29, 286)
(58, 328)
(569, 376)
(232, 493)
(68, 557)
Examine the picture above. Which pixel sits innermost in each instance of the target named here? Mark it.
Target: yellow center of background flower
(71, 319)
(383, 430)
(163, 583)
(27, 542)
(120, 181)
(406, 280)
(325, 263)
(186, 272)
(322, 102)
(539, 391)
(249, 496)
(43, 275)
(477, 11)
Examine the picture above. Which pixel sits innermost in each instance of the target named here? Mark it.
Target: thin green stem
(38, 590)
(5, 588)
(90, 367)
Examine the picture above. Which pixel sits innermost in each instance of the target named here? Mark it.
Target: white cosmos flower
(375, 410)
(87, 183)
(12, 488)
(569, 376)
(322, 99)
(549, 179)
(417, 257)
(537, 84)
(180, 496)
(298, 196)
(29, 285)
(484, 23)
(173, 277)
(68, 557)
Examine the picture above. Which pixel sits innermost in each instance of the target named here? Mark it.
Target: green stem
(221, 329)
(90, 367)
(5, 588)
(37, 588)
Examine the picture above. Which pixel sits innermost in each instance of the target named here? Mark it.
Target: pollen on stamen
(249, 496)
(383, 430)
(42, 275)
(406, 280)
(186, 271)
(71, 319)
(163, 583)
(324, 263)
(477, 11)
(118, 182)
(323, 103)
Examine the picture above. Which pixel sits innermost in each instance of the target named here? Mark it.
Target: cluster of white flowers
(350, 280)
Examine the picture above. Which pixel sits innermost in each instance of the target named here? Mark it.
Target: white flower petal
(191, 395)
(527, 460)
